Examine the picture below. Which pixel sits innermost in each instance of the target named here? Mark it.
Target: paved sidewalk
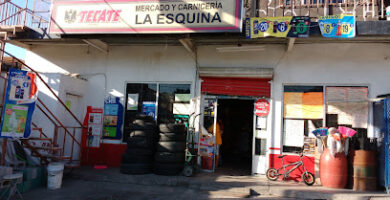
(217, 185)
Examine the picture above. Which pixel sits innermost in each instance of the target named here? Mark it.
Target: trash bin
(54, 175)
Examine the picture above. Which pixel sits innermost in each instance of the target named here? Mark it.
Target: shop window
(347, 106)
(173, 102)
(139, 98)
(303, 112)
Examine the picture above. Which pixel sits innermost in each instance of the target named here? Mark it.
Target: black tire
(142, 133)
(171, 146)
(172, 128)
(136, 168)
(140, 142)
(143, 122)
(139, 152)
(308, 178)
(133, 159)
(147, 126)
(167, 137)
(168, 169)
(144, 117)
(272, 174)
(167, 157)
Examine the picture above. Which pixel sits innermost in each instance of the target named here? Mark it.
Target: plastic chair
(10, 183)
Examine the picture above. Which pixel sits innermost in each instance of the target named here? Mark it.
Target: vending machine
(382, 133)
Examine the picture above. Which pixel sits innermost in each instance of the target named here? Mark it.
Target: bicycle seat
(281, 156)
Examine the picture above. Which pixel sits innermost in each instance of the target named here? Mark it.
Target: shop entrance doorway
(236, 121)
(244, 124)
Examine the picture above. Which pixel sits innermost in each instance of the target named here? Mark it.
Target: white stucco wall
(341, 64)
(108, 74)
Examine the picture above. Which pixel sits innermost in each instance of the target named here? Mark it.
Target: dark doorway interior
(236, 148)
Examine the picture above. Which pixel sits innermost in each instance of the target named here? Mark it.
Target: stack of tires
(138, 158)
(170, 149)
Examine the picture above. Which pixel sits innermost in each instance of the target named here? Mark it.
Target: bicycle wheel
(272, 174)
(308, 178)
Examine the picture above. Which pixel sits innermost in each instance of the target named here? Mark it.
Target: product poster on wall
(132, 101)
(149, 108)
(113, 118)
(93, 121)
(14, 120)
(19, 104)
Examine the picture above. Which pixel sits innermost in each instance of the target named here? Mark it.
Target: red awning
(256, 87)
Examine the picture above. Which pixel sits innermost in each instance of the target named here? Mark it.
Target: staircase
(13, 20)
(49, 149)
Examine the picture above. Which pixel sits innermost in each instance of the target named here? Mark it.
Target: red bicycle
(307, 177)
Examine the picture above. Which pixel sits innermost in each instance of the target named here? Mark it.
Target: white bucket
(388, 13)
(54, 175)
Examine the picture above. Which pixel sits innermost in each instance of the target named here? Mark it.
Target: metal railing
(14, 15)
(69, 148)
(362, 9)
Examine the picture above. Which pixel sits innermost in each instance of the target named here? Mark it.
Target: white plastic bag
(331, 145)
(339, 147)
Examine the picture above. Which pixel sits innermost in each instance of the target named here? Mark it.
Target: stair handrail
(20, 10)
(47, 86)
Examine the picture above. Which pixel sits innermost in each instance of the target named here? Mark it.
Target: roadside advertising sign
(19, 104)
(289, 26)
(337, 26)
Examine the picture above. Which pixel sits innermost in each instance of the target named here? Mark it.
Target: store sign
(145, 16)
(337, 26)
(262, 108)
(289, 26)
(19, 104)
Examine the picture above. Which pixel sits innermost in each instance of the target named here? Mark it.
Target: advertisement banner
(19, 104)
(112, 119)
(145, 16)
(337, 26)
(289, 26)
(149, 108)
(93, 120)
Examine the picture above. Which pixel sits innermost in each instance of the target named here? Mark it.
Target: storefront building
(313, 83)
(295, 80)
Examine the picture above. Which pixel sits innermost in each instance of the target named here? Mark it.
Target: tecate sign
(146, 16)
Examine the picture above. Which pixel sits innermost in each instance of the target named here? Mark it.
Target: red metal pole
(71, 154)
